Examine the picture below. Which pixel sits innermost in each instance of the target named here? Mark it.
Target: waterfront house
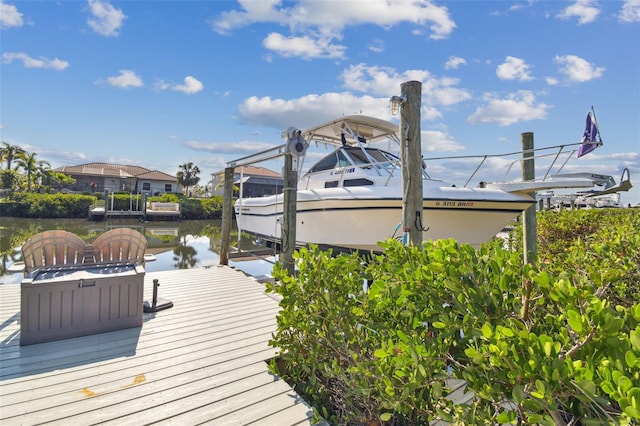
(100, 177)
(256, 181)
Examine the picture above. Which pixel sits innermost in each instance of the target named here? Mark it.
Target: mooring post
(529, 223)
(411, 149)
(227, 215)
(289, 212)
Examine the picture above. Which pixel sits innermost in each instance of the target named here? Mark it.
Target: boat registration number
(454, 203)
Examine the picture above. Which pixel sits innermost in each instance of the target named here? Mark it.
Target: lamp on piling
(395, 103)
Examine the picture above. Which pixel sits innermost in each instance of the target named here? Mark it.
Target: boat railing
(559, 159)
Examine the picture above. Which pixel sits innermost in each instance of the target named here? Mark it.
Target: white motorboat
(353, 197)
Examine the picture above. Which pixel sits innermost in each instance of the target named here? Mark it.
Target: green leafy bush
(596, 244)
(377, 340)
(32, 205)
(202, 208)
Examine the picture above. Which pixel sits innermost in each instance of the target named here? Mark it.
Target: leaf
(588, 387)
(438, 324)
(575, 321)
(506, 417)
(634, 336)
(632, 412)
(624, 383)
(537, 395)
(471, 352)
(385, 417)
(634, 397)
(487, 332)
(518, 393)
(380, 353)
(532, 405)
(422, 371)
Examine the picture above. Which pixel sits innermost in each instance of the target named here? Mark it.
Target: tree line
(22, 170)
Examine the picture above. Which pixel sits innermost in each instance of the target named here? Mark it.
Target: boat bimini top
(352, 130)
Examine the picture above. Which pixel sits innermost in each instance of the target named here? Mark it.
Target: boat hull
(359, 218)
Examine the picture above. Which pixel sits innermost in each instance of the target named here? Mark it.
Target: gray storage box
(64, 302)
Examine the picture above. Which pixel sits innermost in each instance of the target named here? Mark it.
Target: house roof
(115, 170)
(252, 171)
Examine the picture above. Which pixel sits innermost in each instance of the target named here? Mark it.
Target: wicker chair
(52, 248)
(120, 245)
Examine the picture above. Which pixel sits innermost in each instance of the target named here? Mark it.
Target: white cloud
(243, 147)
(315, 24)
(578, 69)
(513, 69)
(29, 62)
(585, 10)
(310, 110)
(9, 16)
(126, 78)
(387, 81)
(56, 156)
(106, 20)
(438, 141)
(161, 85)
(630, 11)
(305, 47)
(376, 45)
(312, 13)
(515, 108)
(454, 63)
(191, 85)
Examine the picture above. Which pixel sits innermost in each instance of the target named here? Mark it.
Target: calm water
(175, 244)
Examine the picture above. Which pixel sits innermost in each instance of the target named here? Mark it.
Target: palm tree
(29, 164)
(43, 171)
(188, 176)
(9, 152)
(58, 179)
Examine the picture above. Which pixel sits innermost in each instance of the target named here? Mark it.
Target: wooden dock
(202, 361)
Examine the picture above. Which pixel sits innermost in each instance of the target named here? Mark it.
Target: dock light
(395, 103)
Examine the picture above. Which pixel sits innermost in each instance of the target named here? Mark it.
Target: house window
(146, 186)
(167, 187)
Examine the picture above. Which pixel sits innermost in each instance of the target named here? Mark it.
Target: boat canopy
(371, 129)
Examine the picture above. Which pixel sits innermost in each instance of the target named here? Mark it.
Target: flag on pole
(590, 137)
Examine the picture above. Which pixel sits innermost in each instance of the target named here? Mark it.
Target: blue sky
(162, 83)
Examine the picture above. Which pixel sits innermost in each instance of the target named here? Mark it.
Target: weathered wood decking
(201, 361)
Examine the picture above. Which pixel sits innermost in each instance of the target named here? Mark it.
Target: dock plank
(202, 361)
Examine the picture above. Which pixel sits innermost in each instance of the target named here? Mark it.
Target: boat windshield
(360, 158)
(334, 160)
(347, 157)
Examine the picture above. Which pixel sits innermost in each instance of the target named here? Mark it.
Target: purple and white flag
(590, 140)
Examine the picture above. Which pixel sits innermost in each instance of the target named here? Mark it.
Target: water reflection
(175, 245)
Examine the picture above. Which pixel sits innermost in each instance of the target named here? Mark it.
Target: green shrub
(596, 244)
(377, 340)
(33, 205)
(202, 208)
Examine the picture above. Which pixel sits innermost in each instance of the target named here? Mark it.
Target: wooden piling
(411, 153)
(529, 223)
(289, 212)
(227, 215)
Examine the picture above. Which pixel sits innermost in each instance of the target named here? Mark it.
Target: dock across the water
(152, 210)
